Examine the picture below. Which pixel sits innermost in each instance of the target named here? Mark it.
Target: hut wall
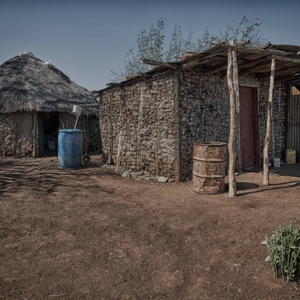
(138, 121)
(277, 144)
(138, 128)
(16, 133)
(19, 138)
(205, 115)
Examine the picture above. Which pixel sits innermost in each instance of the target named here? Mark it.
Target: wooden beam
(237, 136)
(144, 75)
(195, 63)
(159, 63)
(235, 79)
(112, 84)
(280, 72)
(252, 64)
(243, 43)
(202, 56)
(217, 69)
(259, 50)
(269, 126)
(231, 143)
(266, 45)
(283, 79)
(177, 127)
(287, 59)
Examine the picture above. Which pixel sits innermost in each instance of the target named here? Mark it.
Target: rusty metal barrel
(209, 163)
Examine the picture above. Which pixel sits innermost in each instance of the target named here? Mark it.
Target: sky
(88, 39)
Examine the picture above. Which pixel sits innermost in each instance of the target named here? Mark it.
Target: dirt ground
(91, 234)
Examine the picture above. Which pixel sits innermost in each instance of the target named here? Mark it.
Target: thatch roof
(29, 84)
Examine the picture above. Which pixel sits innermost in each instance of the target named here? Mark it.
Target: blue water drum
(69, 148)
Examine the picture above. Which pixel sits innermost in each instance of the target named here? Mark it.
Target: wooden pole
(269, 125)
(177, 128)
(231, 143)
(236, 87)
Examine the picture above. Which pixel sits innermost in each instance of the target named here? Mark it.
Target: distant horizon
(88, 39)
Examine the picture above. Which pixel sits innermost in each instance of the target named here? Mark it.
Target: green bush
(284, 251)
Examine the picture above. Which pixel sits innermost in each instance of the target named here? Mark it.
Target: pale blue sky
(86, 39)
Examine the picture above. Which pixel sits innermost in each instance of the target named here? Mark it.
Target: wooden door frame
(257, 161)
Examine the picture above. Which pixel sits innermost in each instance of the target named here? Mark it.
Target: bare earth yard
(91, 234)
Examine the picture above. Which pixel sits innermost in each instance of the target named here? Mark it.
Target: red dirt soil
(91, 234)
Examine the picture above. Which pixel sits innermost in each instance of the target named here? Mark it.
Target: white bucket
(76, 110)
(276, 162)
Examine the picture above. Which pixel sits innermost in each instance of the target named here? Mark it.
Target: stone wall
(19, 133)
(204, 114)
(16, 137)
(138, 126)
(140, 132)
(277, 144)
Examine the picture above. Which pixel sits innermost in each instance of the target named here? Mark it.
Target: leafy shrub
(284, 251)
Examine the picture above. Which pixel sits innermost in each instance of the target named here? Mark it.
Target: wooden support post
(269, 129)
(177, 128)
(34, 135)
(231, 143)
(84, 134)
(111, 127)
(236, 87)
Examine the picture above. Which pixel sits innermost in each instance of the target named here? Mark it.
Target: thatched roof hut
(29, 84)
(36, 99)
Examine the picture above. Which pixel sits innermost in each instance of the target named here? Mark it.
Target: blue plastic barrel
(69, 148)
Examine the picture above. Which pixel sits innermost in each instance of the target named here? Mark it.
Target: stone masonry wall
(138, 126)
(16, 133)
(277, 144)
(205, 115)
(138, 121)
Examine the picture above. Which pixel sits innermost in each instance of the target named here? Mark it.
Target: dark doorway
(51, 125)
(40, 145)
(249, 127)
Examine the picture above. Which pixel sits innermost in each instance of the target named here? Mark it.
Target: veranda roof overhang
(250, 61)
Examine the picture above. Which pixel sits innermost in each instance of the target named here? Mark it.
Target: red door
(249, 127)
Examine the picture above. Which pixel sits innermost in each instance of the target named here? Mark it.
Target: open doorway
(51, 125)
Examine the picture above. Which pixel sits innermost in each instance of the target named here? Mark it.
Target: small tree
(284, 251)
(152, 44)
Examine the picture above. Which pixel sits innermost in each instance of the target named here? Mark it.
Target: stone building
(151, 122)
(36, 100)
